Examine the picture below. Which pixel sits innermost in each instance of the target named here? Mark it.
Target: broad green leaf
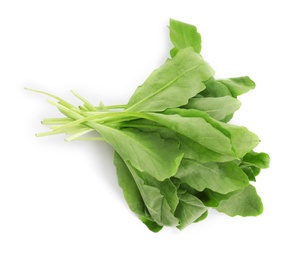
(190, 124)
(217, 107)
(228, 87)
(157, 206)
(129, 187)
(173, 84)
(212, 199)
(244, 203)
(219, 177)
(184, 35)
(189, 209)
(238, 86)
(166, 187)
(214, 88)
(242, 139)
(143, 194)
(190, 148)
(132, 193)
(260, 160)
(196, 151)
(208, 197)
(159, 199)
(147, 152)
(237, 140)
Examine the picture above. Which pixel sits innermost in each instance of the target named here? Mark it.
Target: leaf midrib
(163, 88)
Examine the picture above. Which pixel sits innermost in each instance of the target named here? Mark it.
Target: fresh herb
(176, 155)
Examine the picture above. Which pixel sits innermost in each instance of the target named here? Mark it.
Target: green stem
(56, 121)
(83, 120)
(87, 104)
(103, 107)
(89, 139)
(78, 134)
(117, 107)
(69, 112)
(61, 101)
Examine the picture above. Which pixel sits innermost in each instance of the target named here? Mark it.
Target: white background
(61, 200)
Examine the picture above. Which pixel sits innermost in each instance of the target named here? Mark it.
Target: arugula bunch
(176, 155)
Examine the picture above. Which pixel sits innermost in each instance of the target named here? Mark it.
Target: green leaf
(132, 194)
(244, 203)
(228, 87)
(249, 172)
(255, 170)
(217, 136)
(202, 217)
(217, 107)
(184, 35)
(166, 187)
(160, 199)
(157, 206)
(152, 225)
(212, 199)
(238, 86)
(189, 209)
(173, 84)
(214, 88)
(155, 202)
(193, 124)
(220, 177)
(196, 151)
(260, 160)
(242, 139)
(129, 187)
(190, 148)
(147, 152)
